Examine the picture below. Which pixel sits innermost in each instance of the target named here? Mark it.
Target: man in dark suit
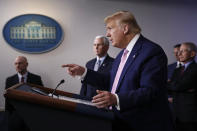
(183, 89)
(173, 66)
(171, 69)
(102, 63)
(137, 80)
(15, 122)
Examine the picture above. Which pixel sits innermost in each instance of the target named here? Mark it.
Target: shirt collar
(101, 58)
(178, 64)
(187, 64)
(132, 42)
(25, 75)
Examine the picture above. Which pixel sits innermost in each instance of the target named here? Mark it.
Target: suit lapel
(115, 67)
(130, 60)
(28, 77)
(16, 79)
(105, 62)
(91, 66)
(189, 68)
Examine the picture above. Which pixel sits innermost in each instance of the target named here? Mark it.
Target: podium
(65, 112)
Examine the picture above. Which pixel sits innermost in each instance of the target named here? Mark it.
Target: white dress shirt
(24, 76)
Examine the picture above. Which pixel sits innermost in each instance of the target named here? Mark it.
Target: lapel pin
(133, 56)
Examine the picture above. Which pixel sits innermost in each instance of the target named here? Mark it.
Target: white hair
(105, 39)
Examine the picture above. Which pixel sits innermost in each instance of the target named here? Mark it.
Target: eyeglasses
(183, 51)
(176, 52)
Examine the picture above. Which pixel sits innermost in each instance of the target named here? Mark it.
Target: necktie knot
(99, 62)
(125, 52)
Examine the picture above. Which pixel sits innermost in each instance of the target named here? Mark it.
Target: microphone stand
(61, 82)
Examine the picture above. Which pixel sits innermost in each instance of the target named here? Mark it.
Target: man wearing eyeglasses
(183, 89)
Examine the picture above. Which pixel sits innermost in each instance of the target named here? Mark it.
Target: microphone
(61, 82)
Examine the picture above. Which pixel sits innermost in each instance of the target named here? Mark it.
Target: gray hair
(191, 46)
(104, 38)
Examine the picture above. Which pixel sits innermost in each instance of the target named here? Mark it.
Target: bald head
(21, 64)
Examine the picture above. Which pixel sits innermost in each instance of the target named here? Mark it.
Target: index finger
(68, 65)
(100, 95)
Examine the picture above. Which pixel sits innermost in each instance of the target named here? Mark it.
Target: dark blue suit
(171, 69)
(15, 122)
(88, 90)
(183, 89)
(141, 88)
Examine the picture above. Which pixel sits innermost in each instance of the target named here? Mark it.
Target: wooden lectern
(65, 112)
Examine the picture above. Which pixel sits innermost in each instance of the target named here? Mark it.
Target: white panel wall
(81, 20)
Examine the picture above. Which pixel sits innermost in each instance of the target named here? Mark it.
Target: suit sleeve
(8, 83)
(40, 81)
(100, 80)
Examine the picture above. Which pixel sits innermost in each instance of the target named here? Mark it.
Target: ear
(193, 54)
(126, 29)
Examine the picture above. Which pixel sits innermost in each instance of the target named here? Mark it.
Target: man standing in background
(183, 89)
(15, 122)
(173, 66)
(102, 63)
(176, 64)
(22, 75)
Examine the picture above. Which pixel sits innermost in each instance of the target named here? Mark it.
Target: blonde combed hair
(125, 17)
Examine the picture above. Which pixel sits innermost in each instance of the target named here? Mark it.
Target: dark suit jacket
(183, 89)
(141, 89)
(88, 90)
(171, 69)
(12, 80)
(15, 122)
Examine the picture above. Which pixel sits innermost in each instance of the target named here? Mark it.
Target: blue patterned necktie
(97, 65)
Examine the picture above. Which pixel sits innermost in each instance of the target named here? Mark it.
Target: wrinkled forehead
(183, 46)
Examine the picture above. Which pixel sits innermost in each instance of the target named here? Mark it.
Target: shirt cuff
(118, 103)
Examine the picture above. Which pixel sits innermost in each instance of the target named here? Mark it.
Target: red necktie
(182, 69)
(22, 79)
